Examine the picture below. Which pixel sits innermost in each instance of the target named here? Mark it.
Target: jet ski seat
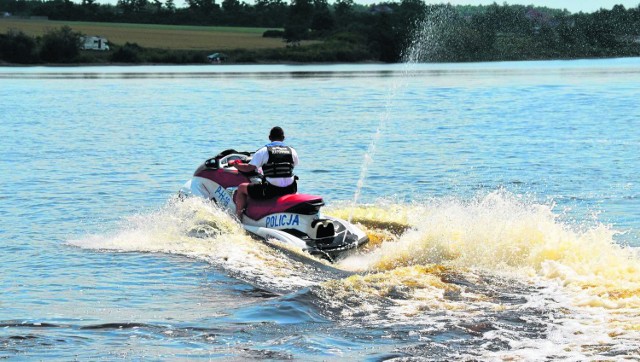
(294, 203)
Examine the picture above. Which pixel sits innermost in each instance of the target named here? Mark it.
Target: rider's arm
(245, 167)
(294, 154)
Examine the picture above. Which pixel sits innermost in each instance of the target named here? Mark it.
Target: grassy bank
(169, 37)
(164, 44)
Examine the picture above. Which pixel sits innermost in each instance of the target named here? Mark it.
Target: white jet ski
(294, 220)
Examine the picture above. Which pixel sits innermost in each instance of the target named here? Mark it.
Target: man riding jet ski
(268, 205)
(277, 162)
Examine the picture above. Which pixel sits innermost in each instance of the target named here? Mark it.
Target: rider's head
(276, 134)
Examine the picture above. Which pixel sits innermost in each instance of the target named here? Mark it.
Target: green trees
(270, 13)
(56, 46)
(343, 12)
(17, 47)
(382, 32)
(201, 11)
(60, 45)
(128, 53)
(298, 21)
(322, 22)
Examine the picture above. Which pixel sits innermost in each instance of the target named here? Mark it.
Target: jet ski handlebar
(228, 158)
(235, 162)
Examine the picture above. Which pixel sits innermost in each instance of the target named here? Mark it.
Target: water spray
(423, 35)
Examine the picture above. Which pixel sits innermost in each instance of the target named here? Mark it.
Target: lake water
(518, 183)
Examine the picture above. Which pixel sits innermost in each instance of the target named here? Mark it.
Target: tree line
(380, 32)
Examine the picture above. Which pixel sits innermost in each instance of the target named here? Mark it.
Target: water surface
(518, 183)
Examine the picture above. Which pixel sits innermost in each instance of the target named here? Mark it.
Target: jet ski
(294, 220)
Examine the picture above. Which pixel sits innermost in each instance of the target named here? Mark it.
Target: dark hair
(276, 134)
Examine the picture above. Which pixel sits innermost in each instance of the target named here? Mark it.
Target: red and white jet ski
(294, 220)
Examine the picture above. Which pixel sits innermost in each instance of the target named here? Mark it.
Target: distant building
(217, 58)
(94, 43)
(380, 9)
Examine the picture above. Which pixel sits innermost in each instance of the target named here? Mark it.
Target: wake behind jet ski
(294, 220)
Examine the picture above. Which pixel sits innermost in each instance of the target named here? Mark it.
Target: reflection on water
(495, 69)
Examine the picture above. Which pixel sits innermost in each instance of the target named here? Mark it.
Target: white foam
(198, 229)
(583, 286)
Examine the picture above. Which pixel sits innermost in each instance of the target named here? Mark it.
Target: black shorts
(265, 190)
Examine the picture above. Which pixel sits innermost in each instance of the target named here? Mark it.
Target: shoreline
(4, 64)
